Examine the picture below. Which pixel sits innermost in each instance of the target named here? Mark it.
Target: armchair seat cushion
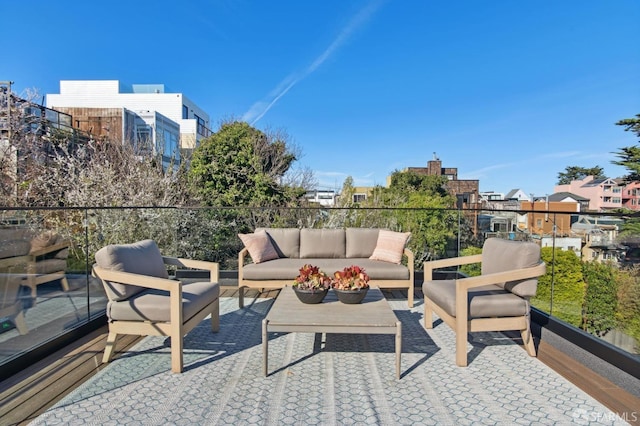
(152, 305)
(484, 302)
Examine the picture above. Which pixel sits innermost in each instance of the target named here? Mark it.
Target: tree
(630, 155)
(572, 173)
(568, 286)
(243, 166)
(241, 170)
(601, 297)
(423, 207)
(628, 307)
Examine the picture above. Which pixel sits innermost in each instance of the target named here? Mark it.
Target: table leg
(265, 347)
(398, 347)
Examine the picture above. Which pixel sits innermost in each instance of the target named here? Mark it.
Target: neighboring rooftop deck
(31, 392)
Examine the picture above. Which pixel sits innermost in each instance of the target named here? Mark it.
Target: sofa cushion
(283, 268)
(483, 302)
(390, 246)
(499, 255)
(142, 257)
(286, 241)
(322, 243)
(259, 246)
(361, 242)
(153, 305)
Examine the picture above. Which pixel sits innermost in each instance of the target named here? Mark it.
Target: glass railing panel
(50, 294)
(592, 279)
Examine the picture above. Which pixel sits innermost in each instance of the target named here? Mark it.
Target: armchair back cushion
(322, 243)
(499, 255)
(286, 241)
(142, 258)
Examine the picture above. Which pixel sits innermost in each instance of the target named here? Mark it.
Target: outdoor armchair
(142, 300)
(496, 300)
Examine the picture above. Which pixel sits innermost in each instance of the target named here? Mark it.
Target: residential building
(140, 99)
(631, 196)
(149, 131)
(465, 190)
(542, 217)
(603, 193)
(517, 194)
(573, 244)
(326, 198)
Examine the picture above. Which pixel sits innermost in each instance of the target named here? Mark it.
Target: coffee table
(372, 316)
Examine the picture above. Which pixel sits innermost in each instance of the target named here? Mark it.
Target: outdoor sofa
(277, 254)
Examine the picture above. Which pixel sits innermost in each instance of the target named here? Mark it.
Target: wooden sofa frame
(262, 285)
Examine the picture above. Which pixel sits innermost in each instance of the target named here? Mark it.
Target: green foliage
(568, 286)
(472, 269)
(241, 166)
(628, 307)
(423, 209)
(239, 169)
(630, 156)
(600, 301)
(572, 173)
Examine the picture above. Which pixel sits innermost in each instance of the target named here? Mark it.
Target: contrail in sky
(260, 108)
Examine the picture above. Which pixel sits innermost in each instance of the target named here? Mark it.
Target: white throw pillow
(259, 246)
(390, 246)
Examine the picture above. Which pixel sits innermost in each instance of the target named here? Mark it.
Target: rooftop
(314, 379)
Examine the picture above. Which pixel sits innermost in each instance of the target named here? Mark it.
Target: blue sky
(509, 92)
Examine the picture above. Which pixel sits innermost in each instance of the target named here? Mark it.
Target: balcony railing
(590, 286)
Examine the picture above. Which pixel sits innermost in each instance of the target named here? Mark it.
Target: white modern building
(326, 198)
(141, 99)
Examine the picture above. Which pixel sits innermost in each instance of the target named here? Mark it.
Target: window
(499, 227)
(201, 125)
(143, 138)
(185, 112)
(357, 198)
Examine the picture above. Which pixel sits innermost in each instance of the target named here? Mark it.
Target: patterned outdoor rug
(335, 379)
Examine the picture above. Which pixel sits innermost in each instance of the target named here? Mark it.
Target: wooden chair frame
(177, 327)
(14, 310)
(34, 279)
(460, 323)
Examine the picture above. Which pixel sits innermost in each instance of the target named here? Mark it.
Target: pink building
(603, 193)
(631, 196)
